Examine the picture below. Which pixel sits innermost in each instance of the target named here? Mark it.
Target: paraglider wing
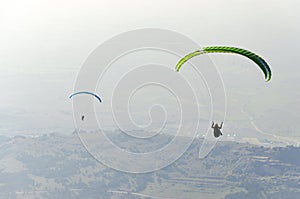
(223, 49)
(85, 92)
(187, 57)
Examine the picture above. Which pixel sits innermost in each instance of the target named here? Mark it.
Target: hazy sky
(43, 34)
(43, 43)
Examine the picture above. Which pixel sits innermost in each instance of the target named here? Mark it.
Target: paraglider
(88, 93)
(217, 129)
(85, 92)
(223, 49)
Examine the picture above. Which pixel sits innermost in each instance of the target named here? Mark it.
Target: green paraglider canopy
(223, 49)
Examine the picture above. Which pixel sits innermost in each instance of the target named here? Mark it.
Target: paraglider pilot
(217, 129)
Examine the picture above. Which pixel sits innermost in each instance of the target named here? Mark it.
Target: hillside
(55, 166)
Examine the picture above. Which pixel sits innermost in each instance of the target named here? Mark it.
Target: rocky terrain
(56, 166)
